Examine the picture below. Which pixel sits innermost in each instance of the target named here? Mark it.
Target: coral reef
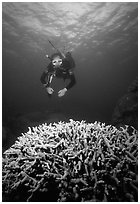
(72, 161)
(126, 110)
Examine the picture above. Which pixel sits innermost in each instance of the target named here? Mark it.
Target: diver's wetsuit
(65, 71)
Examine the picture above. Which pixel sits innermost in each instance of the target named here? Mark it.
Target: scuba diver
(61, 66)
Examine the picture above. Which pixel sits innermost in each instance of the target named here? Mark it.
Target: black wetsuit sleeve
(72, 82)
(46, 74)
(43, 77)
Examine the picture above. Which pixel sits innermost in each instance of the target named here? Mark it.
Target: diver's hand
(49, 90)
(62, 92)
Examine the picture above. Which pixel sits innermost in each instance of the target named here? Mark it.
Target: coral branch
(73, 161)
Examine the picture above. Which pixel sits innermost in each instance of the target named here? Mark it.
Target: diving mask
(57, 62)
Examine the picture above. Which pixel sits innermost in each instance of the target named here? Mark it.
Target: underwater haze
(103, 39)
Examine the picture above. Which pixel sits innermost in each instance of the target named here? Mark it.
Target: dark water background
(103, 40)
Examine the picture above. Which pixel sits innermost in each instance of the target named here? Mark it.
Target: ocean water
(103, 39)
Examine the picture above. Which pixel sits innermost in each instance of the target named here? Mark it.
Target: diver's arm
(72, 81)
(43, 78)
(47, 84)
(70, 85)
(46, 76)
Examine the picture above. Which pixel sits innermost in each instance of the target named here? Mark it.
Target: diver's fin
(48, 57)
(57, 49)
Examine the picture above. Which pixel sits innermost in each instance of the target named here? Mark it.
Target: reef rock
(126, 111)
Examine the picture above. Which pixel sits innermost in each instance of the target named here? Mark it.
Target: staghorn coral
(74, 161)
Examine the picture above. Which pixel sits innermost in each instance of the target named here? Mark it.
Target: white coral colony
(81, 161)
